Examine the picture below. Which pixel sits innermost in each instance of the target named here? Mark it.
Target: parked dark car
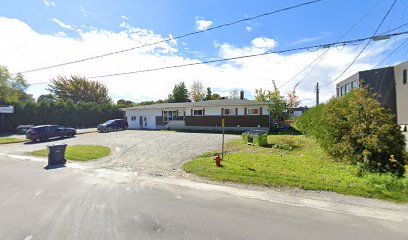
(45, 132)
(113, 125)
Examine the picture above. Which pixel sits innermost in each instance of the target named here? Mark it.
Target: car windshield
(108, 122)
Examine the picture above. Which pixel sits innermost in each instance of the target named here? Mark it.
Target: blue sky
(103, 24)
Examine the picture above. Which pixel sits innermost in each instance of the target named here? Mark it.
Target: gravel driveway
(151, 152)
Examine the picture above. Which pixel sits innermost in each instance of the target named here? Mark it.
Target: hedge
(65, 113)
(356, 129)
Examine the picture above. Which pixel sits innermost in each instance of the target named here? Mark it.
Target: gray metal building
(390, 83)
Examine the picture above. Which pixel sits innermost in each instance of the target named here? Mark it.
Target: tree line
(78, 102)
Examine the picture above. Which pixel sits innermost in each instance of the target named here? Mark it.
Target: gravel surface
(151, 152)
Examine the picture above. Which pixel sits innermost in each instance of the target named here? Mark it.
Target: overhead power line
(174, 38)
(321, 56)
(365, 46)
(343, 43)
(315, 47)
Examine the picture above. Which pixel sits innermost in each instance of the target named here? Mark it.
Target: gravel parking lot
(151, 152)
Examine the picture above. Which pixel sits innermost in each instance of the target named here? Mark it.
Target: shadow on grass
(290, 131)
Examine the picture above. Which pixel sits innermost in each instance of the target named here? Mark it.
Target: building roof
(208, 103)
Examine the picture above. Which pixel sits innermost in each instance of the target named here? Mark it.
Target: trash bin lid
(255, 132)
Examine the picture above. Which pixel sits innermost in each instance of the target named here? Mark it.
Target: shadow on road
(44, 141)
(54, 166)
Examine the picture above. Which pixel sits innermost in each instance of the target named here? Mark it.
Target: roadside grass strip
(11, 140)
(79, 152)
(296, 161)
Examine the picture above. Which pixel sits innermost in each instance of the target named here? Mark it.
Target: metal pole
(317, 93)
(2, 123)
(222, 151)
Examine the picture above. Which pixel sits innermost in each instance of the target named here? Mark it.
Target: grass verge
(11, 140)
(79, 152)
(296, 161)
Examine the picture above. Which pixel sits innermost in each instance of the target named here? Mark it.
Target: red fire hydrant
(218, 160)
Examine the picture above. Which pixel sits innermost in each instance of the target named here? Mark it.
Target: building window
(404, 76)
(342, 91)
(354, 84)
(169, 115)
(347, 88)
(228, 111)
(198, 112)
(133, 118)
(253, 111)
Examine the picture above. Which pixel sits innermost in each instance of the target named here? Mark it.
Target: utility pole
(317, 93)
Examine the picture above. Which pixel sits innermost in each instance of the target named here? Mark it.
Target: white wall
(401, 94)
(216, 111)
(135, 124)
(209, 111)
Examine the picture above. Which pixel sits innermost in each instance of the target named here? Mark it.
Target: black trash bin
(56, 154)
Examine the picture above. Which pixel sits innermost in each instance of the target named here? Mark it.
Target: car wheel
(110, 129)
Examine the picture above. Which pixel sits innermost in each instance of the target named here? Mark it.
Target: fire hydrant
(218, 160)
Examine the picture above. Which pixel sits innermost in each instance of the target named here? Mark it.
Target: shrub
(286, 143)
(355, 128)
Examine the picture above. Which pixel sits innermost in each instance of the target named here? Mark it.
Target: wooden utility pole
(317, 93)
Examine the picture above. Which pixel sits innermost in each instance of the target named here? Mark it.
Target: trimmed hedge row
(355, 128)
(65, 113)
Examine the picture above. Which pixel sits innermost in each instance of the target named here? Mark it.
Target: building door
(149, 122)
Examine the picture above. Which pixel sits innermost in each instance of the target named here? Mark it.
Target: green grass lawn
(296, 161)
(11, 140)
(79, 152)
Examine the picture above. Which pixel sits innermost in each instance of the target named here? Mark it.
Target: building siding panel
(230, 121)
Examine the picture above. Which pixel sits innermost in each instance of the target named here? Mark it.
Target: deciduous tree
(13, 89)
(197, 91)
(79, 89)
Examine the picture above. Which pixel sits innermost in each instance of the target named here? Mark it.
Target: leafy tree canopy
(179, 94)
(197, 91)
(278, 104)
(13, 89)
(79, 89)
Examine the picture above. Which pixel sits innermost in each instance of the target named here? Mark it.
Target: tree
(293, 99)
(208, 96)
(180, 93)
(216, 96)
(355, 128)
(277, 105)
(125, 103)
(13, 90)
(197, 91)
(46, 98)
(234, 94)
(79, 89)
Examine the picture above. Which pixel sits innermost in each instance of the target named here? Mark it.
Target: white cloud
(124, 17)
(310, 39)
(263, 42)
(248, 28)
(49, 3)
(202, 24)
(246, 74)
(83, 11)
(172, 40)
(63, 25)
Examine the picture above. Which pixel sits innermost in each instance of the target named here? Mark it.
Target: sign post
(222, 151)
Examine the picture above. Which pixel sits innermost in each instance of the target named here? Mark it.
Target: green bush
(66, 113)
(355, 128)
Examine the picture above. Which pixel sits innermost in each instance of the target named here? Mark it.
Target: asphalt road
(145, 152)
(86, 203)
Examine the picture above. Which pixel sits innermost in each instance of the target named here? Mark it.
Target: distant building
(389, 82)
(297, 112)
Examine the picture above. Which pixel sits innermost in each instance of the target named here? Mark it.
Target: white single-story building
(204, 115)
